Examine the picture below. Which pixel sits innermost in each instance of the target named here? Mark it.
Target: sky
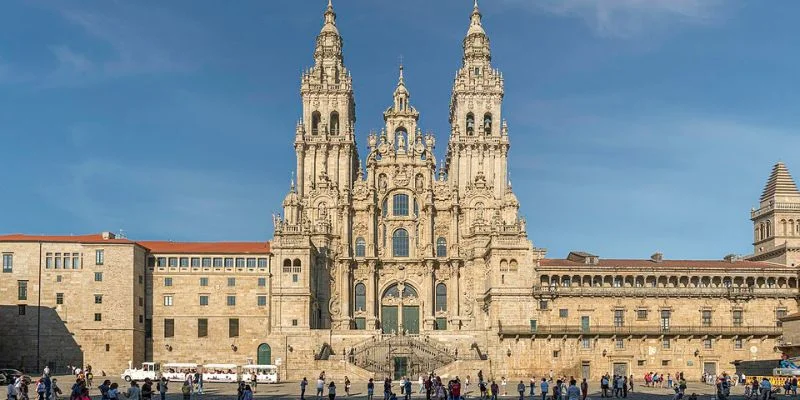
(636, 126)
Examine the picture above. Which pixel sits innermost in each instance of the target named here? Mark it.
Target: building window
(737, 317)
(233, 327)
(172, 262)
(169, 327)
(441, 324)
(295, 278)
(141, 302)
(665, 343)
(262, 301)
(195, 262)
(779, 313)
(141, 318)
(563, 313)
(21, 309)
(287, 265)
(8, 263)
(217, 262)
(705, 317)
(619, 343)
(441, 247)
(556, 353)
(240, 263)
(184, 262)
(251, 263)
(665, 363)
(98, 317)
(99, 257)
(262, 282)
(48, 260)
(400, 243)
(59, 298)
(737, 344)
(400, 205)
(666, 315)
(262, 263)
(297, 266)
(59, 278)
(203, 299)
(203, 281)
(98, 276)
(22, 290)
(98, 299)
(231, 300)
(58, 260)
(161, 261)
(229, 262)
(168, 300)
(167, 281)
(543, 304)
(294, 322)
(76, 261)
(441, 297)
(361, 247)
(231, 282)
(534, 325)
(641, 315)
(202, 327)
(640, 363)
(708, 344)
(619, 318)
(360, 297)
(361, 323)
(206, 262)
(586, 343)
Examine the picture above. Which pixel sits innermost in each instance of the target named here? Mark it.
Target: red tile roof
(96, 238)
(152, 246)
(647, 263)
(206, 247)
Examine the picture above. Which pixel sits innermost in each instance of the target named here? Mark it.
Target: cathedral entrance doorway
(400, 309)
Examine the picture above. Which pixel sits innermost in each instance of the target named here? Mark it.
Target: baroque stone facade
(396, 264)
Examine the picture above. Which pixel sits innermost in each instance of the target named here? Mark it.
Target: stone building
(394, 264)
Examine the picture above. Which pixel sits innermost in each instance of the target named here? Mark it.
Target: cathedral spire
(476, 43)
(330, 19)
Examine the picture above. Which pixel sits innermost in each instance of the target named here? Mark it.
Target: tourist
(503, 384)
(147, 389)
(407, 388)
(766, 388)
(113, 392)
(55, 390)
(604, 386)
(482, 389)
(370, 389)
(162, 388)
(247, 394)
(630, 383)
(545, 388)
(186, 390)
(669, 381)
(240, 390)
(421, 382)
(199, 382)
(332, 391)
(253, 381)
(480, 375)
(11, 390)
(321, 385)
(456, 390)
(495, 389)
(584, 389)
(104, 387)
(303, 385)
(84, 394)
(521, 390)
(134, 392)
(40, 389)
(624, 386)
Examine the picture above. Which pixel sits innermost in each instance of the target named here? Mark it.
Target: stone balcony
(632, 330)
(738, 293)
(775, 206)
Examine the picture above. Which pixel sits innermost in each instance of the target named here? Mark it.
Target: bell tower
(325, 139)
(776, 222)
(478, 139)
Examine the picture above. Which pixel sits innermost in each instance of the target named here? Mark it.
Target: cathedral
(396, 264)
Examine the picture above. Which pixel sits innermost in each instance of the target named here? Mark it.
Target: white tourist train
(220, 373)
(149, 370)
(264, 373)
(177, 372)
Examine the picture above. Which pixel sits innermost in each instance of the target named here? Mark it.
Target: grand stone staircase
(400, 355)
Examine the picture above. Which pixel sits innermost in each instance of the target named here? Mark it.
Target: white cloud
(626, 18)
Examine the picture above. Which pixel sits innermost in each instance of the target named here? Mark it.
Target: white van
(149, 370)
(177, 372)
(264, 373)
(228, 373)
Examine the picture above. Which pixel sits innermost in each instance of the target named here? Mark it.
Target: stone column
(427, 297)
(300, 170)
(372, 295)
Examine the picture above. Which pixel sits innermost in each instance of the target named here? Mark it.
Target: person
(625, 386)
(247, 394)
(584, 389)
(481, 388)
(766, 388)
(573, 393)
(533, 386)
(104, 387)
(84, 394)
(421, 383)
(630, 383)
(162, 388)
(186, 390)
(503, 384)
(134, 392)
(794, 386)
(303, 385)
(545, 388)
(11, 390)
(466, 385)
(370, 389)
(521, 390)
(56, 391)
(40, 389)
(332, 391)
(320, 385)
(253, 381)
(603, 386)
(495, 390)
(480, 375)
(199, 381)
(407, 389)
(147, 389)
(113, 391)
(557, 390)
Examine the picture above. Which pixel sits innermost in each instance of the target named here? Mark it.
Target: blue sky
(636, 125)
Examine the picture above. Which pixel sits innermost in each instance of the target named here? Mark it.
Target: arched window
(761, 231)
(315, 119)
(441, 247)
(334, 123)
(264, 354)
(297, 266)
(769, 229)
(361, 247)
(441, 297)
(400, 205)
(470, 124)
(287, 265)
(487, 123)
(400, 243)
(512, 266)
(360, 297)
(504, 268)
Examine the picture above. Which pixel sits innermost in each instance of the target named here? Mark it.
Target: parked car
(11, 373)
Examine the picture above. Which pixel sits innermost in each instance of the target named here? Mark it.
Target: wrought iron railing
(649, 291)
(633, 330)
(378, 356)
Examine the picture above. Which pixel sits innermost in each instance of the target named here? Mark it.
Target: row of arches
(508, 265)
(667, 281)
(394, 292)
(333, 123)
(785, 227)
(487, 124)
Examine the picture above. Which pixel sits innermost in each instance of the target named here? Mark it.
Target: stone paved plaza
(291, 390)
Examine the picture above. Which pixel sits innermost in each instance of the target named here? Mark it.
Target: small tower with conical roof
(776, 222)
